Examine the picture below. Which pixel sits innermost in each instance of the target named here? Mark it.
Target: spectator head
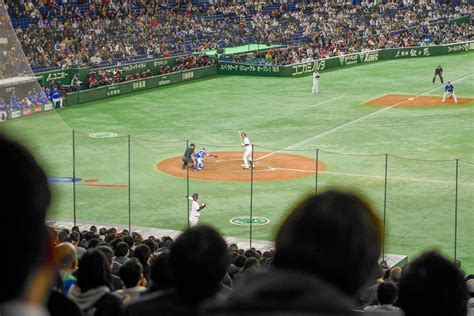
(107, 252)
(93, 271)
(240, 261)
(75, 237)
(142, 253)
(252, 263)
(160, 273)
(470, 287)
(152, 245)
(63, 236)
(103, 231)
(387, 292)
(129, 241)
(121, 250)
(131, 272)
(199, 260)
(328, 232)
(24, 218)
(65, 256)
(251, 253)
(233, 247)
(395, 274)
(93, 242)
(437, 283)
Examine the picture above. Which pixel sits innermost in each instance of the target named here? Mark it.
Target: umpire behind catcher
(188, 156)
(438, 72)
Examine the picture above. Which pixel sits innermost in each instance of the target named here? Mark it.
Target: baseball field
(378, 129)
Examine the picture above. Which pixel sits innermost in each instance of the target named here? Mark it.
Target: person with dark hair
(432, 285)
(199, 260)
(131, 273)
(152, 245)
(75, 240)
(116, 283)
(387, 293)
(322, 236)
(160, 273)
(143, 254)
(129, 240)
(27, 264)
(121, 252)
(92, 291)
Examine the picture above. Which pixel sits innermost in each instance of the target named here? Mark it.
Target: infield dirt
(415, 101)
(228, 167)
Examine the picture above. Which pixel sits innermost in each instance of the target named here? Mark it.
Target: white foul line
(353, 121)
(320, 103)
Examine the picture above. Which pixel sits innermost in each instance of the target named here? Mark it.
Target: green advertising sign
(230, 68)
(137, 85)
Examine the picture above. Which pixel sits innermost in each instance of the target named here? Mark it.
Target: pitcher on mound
(247, 150)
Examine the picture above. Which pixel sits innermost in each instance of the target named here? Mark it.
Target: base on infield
(416, 101)
(227, 167)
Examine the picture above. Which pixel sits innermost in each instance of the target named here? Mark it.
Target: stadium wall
(64, 76)
(231, 68)
(140, 84)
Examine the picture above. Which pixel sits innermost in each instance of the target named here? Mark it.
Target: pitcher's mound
(227, 167)
(414, 101)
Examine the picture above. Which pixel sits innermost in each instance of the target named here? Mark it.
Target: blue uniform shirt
(55, 94)
(449, 88)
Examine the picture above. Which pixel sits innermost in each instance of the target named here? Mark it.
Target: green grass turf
(277, 113)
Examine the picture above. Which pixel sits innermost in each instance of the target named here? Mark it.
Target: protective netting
(142, 182)
(20, 92)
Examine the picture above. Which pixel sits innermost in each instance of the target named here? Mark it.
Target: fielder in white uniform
(316, 77)
(195, 209)
(247, 150)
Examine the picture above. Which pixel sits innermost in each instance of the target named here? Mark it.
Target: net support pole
(74, 176)
(456, 211)
(316, 175)
(384, 205)
(129, 187)
(251, 197)
(187, 186)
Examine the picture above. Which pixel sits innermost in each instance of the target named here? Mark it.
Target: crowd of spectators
(115, 75)
(60, 34)
(326, 255)
(434, 34)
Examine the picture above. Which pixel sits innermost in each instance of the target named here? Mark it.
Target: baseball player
(188, 156)
(247, 150)
(438, 72)
(195, 209)
(316, 77)
(449, 88)
(199, 159)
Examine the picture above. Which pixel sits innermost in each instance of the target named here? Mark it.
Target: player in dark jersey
(188, 157)
(438, 72)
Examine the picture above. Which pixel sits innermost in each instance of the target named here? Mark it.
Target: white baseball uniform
(194, 212)
(315, 82)
(247, 153)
